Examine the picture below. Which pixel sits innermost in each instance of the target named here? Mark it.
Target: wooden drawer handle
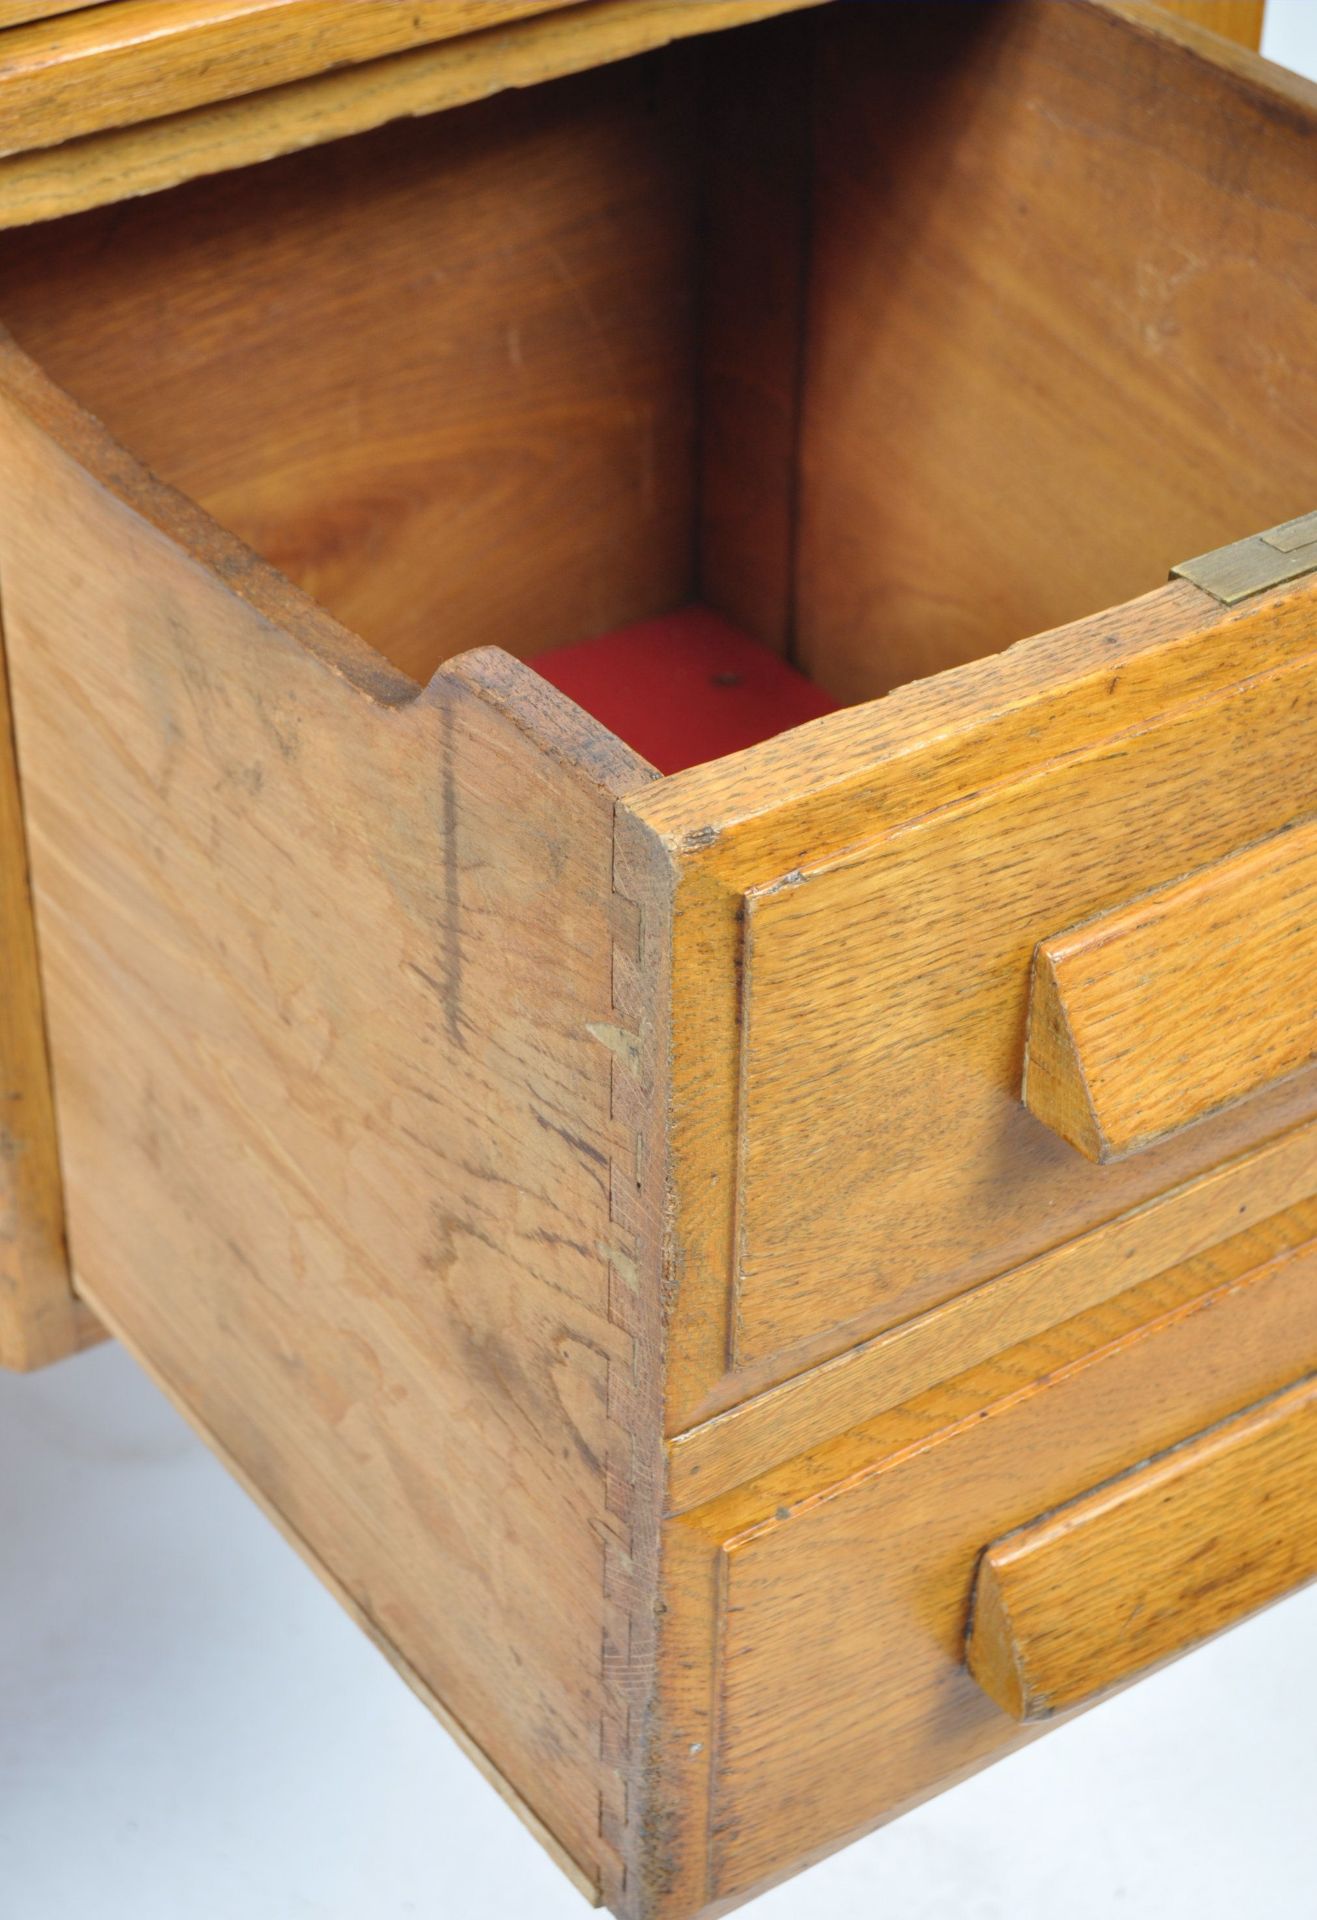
(1183, 1001)
(1150, 1564)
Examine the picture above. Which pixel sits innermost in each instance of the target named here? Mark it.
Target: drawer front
(886, 993)
(853, 1147)
(833, 1594)
(885, 1002)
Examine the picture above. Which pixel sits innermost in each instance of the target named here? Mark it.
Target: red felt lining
(684, 688)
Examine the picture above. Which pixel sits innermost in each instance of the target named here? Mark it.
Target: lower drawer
(816, 1678)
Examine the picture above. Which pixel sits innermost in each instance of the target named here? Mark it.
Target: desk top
(121, 97)
(108, 99)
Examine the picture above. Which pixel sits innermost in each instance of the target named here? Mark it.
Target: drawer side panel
(348, 1021)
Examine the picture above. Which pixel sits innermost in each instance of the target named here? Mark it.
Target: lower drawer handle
(1187, 999)
(1150, 1564)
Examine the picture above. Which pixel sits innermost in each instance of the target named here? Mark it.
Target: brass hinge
(1232, 573)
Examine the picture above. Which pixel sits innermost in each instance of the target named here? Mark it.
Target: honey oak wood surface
(137, 60)
(1146, 1019)
(1029, 262)
(19, 13)
(40, 1319)
(358, 992)
(887, 909)
(1149, 1565)
(124, 61)
(98, 169)
(424, 373)
(585, 1884)
(354, 1059)
(997, 713)
(813, 1681)
(892, 981)
(1240, 20)
(710, 1459)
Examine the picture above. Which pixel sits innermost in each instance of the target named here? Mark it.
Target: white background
(191, 1730)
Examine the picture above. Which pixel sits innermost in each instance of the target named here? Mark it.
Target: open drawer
(462, 1089)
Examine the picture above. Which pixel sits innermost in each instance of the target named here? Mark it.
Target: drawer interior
(877, 336)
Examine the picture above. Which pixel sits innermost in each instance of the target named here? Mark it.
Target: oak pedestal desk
(760, 1260)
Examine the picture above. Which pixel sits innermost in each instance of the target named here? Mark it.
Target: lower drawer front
(840, 1585)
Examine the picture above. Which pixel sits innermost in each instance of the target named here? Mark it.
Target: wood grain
(1151, 1564)
(585, 1884)
(832, 1693)
(892, 982)
(353, 1077)
(1030, 254)
(504, 397)
(710, 1459)
(755, 150)
(19, 13)
(384, 1145)
(862, 774)
(1176, 1005)
(40, 1319)
(142, 59)
(859, 1093)
(98, 169)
